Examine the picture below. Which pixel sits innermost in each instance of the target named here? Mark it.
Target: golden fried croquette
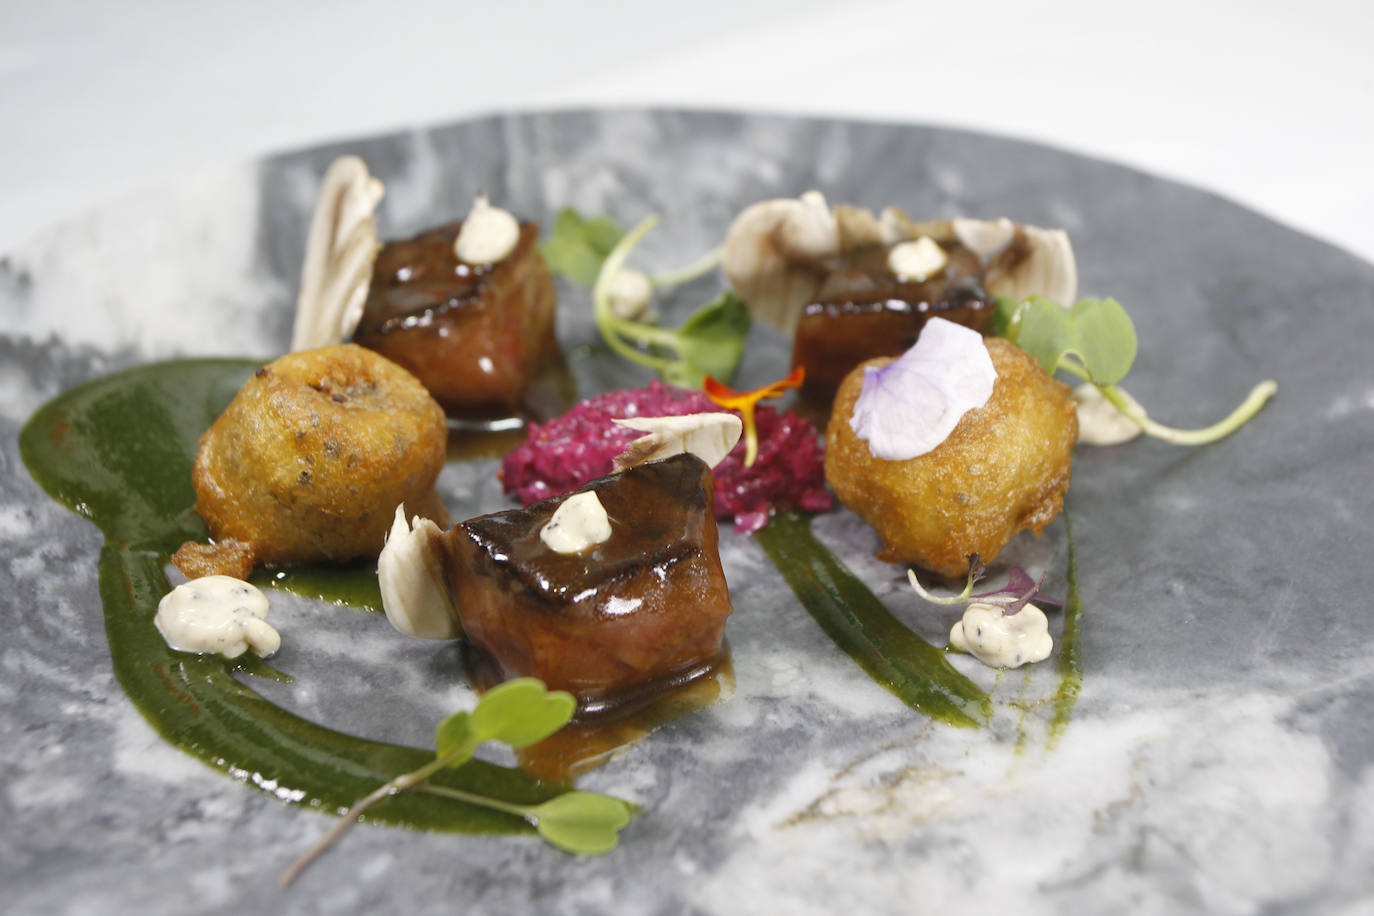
(1004, 469)
(309, 461)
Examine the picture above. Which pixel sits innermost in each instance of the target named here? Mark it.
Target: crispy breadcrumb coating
(309, 461)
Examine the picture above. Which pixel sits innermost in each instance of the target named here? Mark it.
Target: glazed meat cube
(647, 603)
(834, 337)
(475, 335)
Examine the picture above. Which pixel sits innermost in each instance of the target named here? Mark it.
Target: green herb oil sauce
(850, 614)
(1070, 648)
(119, 452)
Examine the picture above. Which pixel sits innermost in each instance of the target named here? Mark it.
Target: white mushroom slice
(858, 227)
(410, 571)
(1099, 422)
(896, 227)
(488, 235)
(339, 254)
(578, 524)
(770, 255)
(918, 260)
(986, 238)
(1047, 269)
(217, 615)
(709, 436)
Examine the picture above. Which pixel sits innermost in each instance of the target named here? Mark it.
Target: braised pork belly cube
(647, 603)
(475, 335)
(863, 311)
(834, 337)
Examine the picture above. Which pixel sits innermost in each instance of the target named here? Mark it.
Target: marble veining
(1221, 759)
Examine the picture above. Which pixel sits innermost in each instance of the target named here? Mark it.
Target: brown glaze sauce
(605, 728)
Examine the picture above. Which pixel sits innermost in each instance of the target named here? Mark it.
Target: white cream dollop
(217, 615)
(1002, 640)
(489, 234)
(410, 573)
(918, 260)
(1099, 422)
(579, 523)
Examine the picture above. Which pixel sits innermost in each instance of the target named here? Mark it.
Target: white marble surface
(1262, 101)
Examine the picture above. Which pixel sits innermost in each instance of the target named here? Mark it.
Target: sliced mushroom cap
(410, 572)
(709, 436)
(778, 253)
(1021, 260)
(773, 253)
(339, 254)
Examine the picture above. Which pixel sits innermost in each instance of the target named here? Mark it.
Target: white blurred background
(1265, 102)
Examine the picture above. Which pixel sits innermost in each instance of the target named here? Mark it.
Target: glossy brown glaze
(646, 604)
(863, 311)
(476, 336)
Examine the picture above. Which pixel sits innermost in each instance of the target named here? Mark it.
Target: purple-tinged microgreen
(1019, 591)
(519, 713)
(908, 407)
(710, 341)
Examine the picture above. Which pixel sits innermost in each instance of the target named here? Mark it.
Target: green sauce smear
(1070, 648)
(118, 451)
(916, 672)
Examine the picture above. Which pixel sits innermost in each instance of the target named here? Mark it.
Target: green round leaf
(1045, 331)
(577, 247)
(1104, 339)
(521, 712)
(711, 341)
(453, 734)
(582, 822)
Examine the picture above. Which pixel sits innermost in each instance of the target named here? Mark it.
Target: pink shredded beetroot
(579, 446)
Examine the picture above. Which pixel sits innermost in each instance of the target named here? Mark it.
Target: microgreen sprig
(1019, 591)
(578, 246)
(1095, 340)
(710, 342)
(519, 713)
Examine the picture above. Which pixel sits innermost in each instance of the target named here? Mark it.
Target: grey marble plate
(1222, 755)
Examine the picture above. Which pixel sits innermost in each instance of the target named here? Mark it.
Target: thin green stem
(611, 327)
(702, 265)
(521, 811)
(1234, 421)
(381, 793)
(1137, 415)
(961, 598)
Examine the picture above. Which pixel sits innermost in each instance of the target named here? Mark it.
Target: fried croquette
(309, 461)
(1003, 469)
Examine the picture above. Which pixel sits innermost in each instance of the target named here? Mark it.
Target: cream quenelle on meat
(614, 586)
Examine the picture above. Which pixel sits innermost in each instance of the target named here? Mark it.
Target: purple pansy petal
(908, 407)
